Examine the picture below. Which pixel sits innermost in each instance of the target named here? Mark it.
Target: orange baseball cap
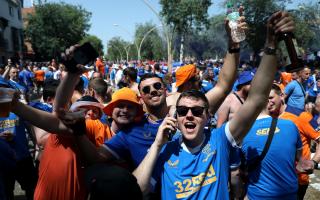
(124, 94)
(184, 73)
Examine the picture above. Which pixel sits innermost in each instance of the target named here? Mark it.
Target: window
(11, 11)
(19, 14)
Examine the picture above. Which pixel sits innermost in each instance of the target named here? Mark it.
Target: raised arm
(241, 123)
(227, 74)
(41, 119)
(144, 170)
(223, 112)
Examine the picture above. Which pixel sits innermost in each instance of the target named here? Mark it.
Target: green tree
(148, 37)
(307, 19)
(95, 42)
(118, 49)
(182, 15)
(55, 26)
(210, 43)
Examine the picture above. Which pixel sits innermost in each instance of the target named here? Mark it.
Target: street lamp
(166, 32)
(128, 32)
(144, 37)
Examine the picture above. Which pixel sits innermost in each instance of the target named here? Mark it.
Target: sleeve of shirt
(118, 146)
(289, 88)
(308, 130)
(229, 136)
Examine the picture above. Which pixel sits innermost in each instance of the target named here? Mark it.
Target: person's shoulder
(290, 121)
(95, 124)
(134, 127)
(305, 116)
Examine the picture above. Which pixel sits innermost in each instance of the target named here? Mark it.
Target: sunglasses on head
(156, 86)
(197, 111)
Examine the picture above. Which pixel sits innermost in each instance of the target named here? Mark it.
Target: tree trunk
(181, 49)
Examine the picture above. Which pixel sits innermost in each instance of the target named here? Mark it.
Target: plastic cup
(6, 95)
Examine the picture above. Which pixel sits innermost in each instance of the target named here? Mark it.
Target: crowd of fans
(134, 130)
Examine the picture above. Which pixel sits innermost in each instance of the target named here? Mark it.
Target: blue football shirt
(275, 178)
(132, 144)
(199, 175)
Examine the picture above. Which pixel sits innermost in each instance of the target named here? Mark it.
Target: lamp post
(134, 42)
(144, 37)
(167, 35)
(117, 48)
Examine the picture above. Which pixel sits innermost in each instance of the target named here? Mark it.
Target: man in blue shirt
(195, 166)
(295, 92)
(275, 176)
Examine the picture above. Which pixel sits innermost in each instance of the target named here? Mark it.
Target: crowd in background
(127, 105)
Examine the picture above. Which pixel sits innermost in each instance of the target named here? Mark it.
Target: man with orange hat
(124, 109)
(186, 79)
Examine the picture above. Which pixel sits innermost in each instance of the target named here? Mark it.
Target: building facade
(11, 30)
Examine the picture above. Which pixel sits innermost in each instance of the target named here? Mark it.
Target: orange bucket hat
(124, 94)
(184, 73)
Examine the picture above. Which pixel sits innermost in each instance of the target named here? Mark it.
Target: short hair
(194, 94)
(156, 67)
(50, 88)
(99, 85)
(149, 75)
(131, 72)
(276, 88)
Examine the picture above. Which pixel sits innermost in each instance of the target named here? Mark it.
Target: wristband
(236, 50)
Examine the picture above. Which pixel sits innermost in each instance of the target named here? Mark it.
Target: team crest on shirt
(265, 131)
(208, 151)
(147, 135)
(173, 164)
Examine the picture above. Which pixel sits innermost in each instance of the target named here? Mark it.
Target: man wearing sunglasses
(196, 165)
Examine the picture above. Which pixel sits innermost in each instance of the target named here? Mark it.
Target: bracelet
(236, 50)
(315, 165)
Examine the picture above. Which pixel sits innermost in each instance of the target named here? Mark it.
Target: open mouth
(190, 126)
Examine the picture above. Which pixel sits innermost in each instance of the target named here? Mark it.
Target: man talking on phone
(196, 165)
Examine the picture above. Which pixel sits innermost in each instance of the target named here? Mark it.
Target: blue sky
(127, 13)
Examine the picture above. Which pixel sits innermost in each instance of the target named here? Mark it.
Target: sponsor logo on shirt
(9, 123)
(265, 131)
(189, 186)
(173, 164)
(147, 134)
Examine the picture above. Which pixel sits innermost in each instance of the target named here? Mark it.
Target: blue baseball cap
(245, 78)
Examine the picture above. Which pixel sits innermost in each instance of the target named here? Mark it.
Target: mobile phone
(82, 55)
(171, 133)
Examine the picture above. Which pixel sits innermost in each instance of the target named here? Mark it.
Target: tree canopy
(55, 26)
(152, 46)
(184, 14)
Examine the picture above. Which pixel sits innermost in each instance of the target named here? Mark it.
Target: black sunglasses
(197, 111)
(147, 89)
